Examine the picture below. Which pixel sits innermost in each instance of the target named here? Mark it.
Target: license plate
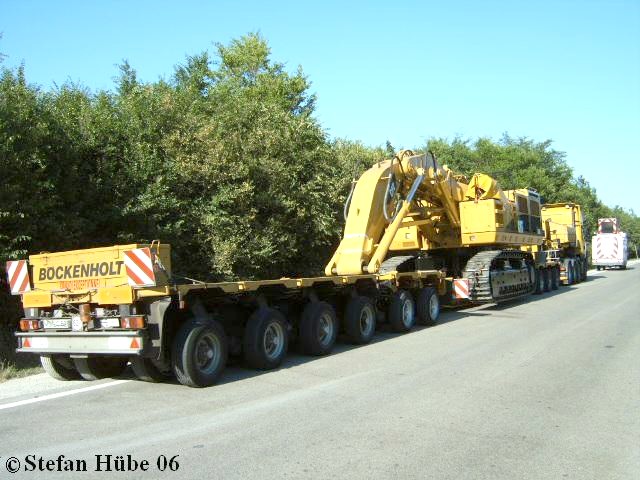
(110, 322)
(56, 323)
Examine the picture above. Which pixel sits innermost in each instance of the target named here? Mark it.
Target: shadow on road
(237, 371)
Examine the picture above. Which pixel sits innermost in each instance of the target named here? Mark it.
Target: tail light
(27, 324)
(562, 269)
(85, 312)
(135, 322)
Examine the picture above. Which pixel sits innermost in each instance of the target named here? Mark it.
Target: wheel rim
(273, 340)
(570, 274)
(532, 275)
(366, 321)
(208, 353)
(408, 313)
(434, 307)
(325, 330)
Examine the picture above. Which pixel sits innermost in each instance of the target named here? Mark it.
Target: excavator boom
(384, 198)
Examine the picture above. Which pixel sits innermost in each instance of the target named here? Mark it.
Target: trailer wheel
(569, 269)
(199, 353)
(402, 311)
(574, 272)
(539, 281)
(265, 339)
(577, 274)
(427, 306)
(318, 328)
(148, 370)
(94, 368)
(360, 320)
(547, 279)
(59, 367)
(555, 278)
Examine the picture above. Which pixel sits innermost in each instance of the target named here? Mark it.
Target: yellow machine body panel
(483, 223)
(408, 238)
(564, 225)
(96, 275)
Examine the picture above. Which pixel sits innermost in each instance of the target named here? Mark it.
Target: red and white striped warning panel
(139, 265)
(606, 248)
(610, 224)
(461, 288)
(18, 276)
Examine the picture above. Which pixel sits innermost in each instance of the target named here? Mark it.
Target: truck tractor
(563, 249)
(609, 247)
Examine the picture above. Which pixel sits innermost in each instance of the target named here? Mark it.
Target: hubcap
(208, 353)
(434, 307)
(274, 340)
(407, 313)
(325, 330)
(366, 321)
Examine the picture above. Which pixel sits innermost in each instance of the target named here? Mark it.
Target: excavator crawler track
(498, 275)
(400, 263)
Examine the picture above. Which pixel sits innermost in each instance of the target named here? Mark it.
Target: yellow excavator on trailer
(410, 213)
(416, 234)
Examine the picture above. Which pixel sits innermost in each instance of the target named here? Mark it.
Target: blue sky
(401, 71)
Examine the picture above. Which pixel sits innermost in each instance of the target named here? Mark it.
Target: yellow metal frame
(111, 288)
(564, 225)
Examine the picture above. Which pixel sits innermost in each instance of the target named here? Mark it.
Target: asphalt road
(545, 388)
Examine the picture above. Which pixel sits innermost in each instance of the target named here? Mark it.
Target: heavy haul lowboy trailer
(190, 329)
(415, 234)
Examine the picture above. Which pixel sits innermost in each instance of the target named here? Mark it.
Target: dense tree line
(225, 160)
(520, 162)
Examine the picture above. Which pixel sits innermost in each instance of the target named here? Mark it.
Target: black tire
(546, 273)
(318, 328)
(598, 268)
(555, 278)
(569, 269)
(59, 367)
(360, 320)
(148, 370)
(95, 368)
(539, 281)
(427, 306)
(578, 270)
(199, 353)
(266, 339)
(585, 268)
(402, 311)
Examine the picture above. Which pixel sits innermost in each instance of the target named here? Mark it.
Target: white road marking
(61, 394)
